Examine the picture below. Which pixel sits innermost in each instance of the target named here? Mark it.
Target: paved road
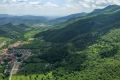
(26, 54)
(14, 69)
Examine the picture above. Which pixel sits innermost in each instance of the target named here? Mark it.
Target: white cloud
(14, 0)
(50, 4)
(86, 5)
(34, 3)
(22, 0)
(52, 7)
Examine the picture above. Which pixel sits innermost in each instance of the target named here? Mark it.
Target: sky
(52, 7)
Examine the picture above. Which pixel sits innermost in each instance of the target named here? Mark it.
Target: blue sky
(51, 7)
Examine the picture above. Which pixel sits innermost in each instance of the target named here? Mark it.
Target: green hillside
(84, 48)
(12, 31)
(98, 61)
(83, 31)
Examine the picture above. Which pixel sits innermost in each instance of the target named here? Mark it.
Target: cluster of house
(6, 56)
(7, 59)
(10, 52)
(9, 56)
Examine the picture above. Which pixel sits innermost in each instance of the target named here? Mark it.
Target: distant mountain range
(76, 25)
(87, 28)
(66, 18)
(28, 20)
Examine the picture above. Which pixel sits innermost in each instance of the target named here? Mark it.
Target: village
(12, 58)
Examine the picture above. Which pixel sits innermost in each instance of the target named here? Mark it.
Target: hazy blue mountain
(66, 18)
(108, 9)
(27, 19)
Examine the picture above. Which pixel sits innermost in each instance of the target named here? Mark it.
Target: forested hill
(12, 31)
(87, 29)
(108, 9)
